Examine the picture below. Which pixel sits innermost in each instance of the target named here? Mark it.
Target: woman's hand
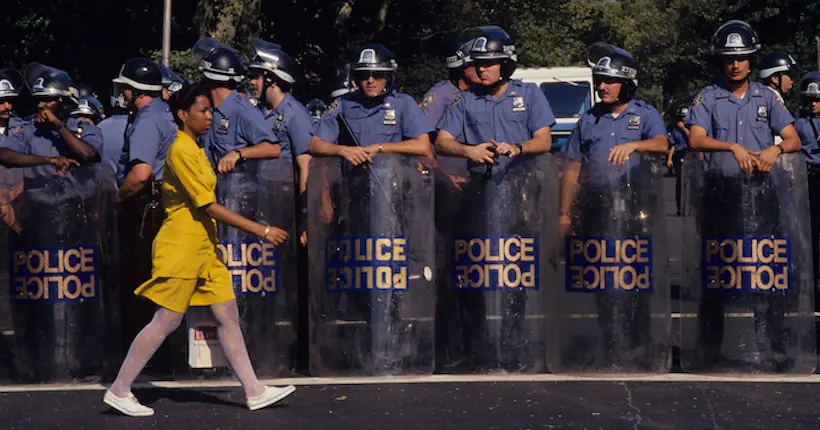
(274, 235)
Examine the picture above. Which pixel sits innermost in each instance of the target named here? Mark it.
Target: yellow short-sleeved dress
(186, 268)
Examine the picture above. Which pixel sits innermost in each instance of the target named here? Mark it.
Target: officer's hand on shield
(766, 158)
(564, 224)
(275, 235)
(505, 148)
(620, 154)
(326, 208)
(745, 159)
(481, 154)
(355, 155)
(61, 164)
(228, 162)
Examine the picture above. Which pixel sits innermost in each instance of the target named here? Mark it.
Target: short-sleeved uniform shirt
(598, 131)
(436, 102)
(113, 131)
(750, 122)
(186, 268)
(292, 125)
(810, 147)
(40, 140)
(396, 119)
(236, 124)
(11, 176)
(148, 138)
(512, 118)
(677, 139)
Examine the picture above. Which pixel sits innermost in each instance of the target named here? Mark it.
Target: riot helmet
(11, 83)
(141, 75)
(90, 107)
(273, 61)
(683, 113)
(777, 62)
(810, 86)
(458, 55)
(492, 43)
(316, 108)
(341, 83)
(171, 81)
(219, 63)
(611, 61)
(735, 38)
(45, 82)
(374, 60)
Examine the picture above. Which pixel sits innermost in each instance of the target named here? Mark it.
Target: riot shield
(370, 244)
(60, 244)
(500, 258)
(263, 275)
(747, 296)
(612, 308)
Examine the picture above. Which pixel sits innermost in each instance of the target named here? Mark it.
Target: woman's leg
(233, 344)
(143, 348)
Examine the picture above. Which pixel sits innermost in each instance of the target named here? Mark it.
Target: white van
(569, 91)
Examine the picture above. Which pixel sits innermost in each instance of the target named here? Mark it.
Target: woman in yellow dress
(186, 269)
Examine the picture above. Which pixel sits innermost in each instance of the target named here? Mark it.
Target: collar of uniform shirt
(362, 102)
(513, 89)
(282, 105)
(229, 104)
(722, 93)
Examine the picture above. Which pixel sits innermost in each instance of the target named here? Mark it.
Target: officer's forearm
(83, 152)
(303, 161)
(419, 146)
(536, 145)
(263, 149)
(707, 144)
(655, 144)
(791, 140)
(318, 146)
(10, 158)
(133, 183)
(569, 180)
(450, 146)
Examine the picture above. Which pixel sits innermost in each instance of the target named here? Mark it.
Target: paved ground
(477, 405)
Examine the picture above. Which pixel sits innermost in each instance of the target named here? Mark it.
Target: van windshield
(567, 99)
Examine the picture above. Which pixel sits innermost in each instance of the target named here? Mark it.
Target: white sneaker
(269, 397)
(127, 405)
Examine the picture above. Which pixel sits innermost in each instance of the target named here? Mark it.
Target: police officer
(11, 83)
(509, 116)
(777, 71)
(316, 108)
(171, 82)
(678, 136)
(55, 213)
(489, 125)
(89, 110)
(238, 131)
(598, 151)
(382, 119)
(808, 128)
(46, 140)
(734, 120)
(149, 133)
(463, 75)
(113, 129)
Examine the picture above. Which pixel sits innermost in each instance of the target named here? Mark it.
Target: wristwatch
(241, 158)
(381, 147)
(520, 148)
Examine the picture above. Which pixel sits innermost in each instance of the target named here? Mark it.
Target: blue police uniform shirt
(113, 131)
(809, 140)
(513, 118)
(677, 139)
(149, 137)
(438, 99)
(598, 131)
(750, 122)
(291, 123)
(397, 118)
(236, 124)
(41, 140)
(14, 126)
(11, 176)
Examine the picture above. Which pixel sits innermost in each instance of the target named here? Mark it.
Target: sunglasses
(363, 75)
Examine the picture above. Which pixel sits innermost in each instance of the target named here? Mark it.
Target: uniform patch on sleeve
(455, 101)
(333, 106)
(428, 99)
(698, 100)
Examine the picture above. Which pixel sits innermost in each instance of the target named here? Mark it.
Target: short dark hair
(186, 97)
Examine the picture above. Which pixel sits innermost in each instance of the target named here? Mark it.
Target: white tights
(164, 323)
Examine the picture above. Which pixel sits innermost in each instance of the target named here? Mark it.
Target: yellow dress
(186, 269)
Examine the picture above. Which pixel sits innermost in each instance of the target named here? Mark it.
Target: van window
(567, 99)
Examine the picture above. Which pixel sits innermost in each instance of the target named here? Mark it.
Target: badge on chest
(389, 115)
(634, 122)
(518, 104)
(762, 114)
(222, 127)
(277, 124)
